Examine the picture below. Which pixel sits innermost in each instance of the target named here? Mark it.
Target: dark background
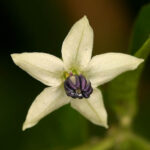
(28, 26)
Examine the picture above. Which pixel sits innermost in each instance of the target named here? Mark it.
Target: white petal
(48, 100)
(92, 108)
(77, 46)
(44, 67)
(105, 67)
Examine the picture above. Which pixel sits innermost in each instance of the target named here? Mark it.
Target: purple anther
(88, 86)
(70, 84)
(83, 82)
(76, 86)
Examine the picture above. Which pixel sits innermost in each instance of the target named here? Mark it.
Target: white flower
(76, 64)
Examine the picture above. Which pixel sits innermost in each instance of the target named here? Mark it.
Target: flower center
(76, 86)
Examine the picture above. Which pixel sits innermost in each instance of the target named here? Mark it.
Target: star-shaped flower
(75, 78)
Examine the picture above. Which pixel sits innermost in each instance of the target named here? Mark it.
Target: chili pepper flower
(75, 78)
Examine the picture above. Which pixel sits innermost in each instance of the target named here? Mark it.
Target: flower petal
(77, 46)
(48, 100)
(105, 67)
(92, 108)
(44, 67)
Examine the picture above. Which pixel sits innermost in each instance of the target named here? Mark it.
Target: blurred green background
(41, 26)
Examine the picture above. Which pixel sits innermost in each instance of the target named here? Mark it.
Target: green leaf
(123, 99)
(144, 51)
(141, 30)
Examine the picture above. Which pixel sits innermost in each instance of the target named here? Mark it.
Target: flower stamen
(76, 86)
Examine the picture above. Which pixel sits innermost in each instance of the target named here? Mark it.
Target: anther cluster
(76, 86)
